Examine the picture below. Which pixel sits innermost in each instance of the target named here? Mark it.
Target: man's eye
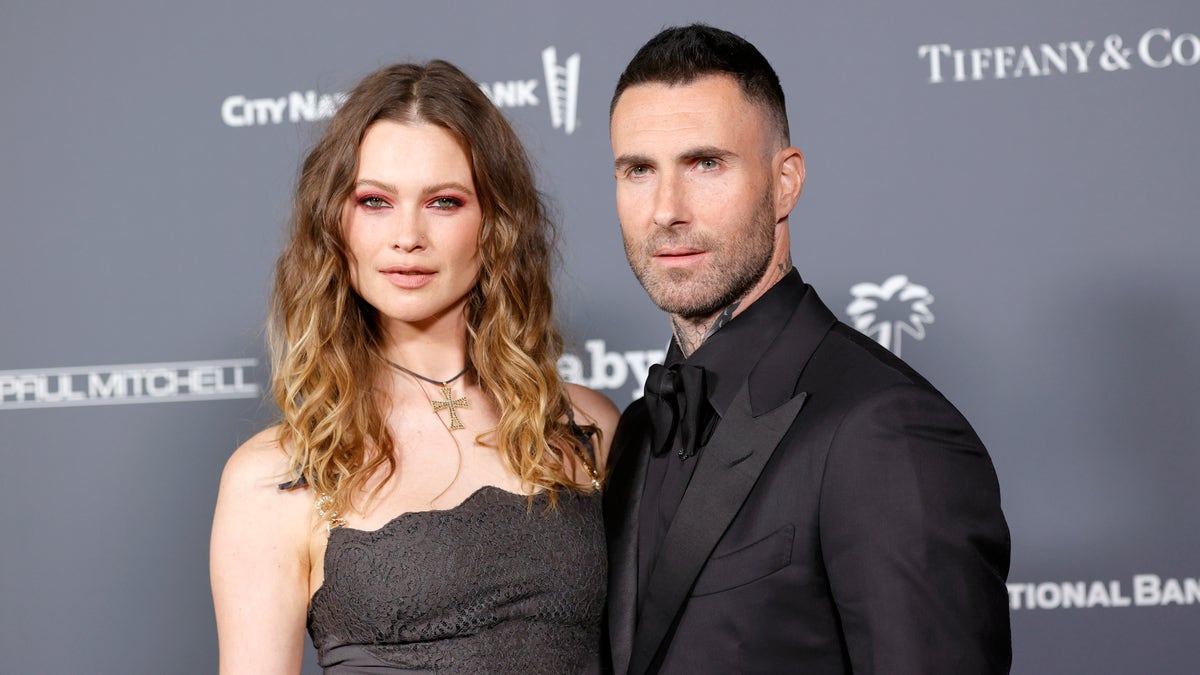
(708, 164)
(639, 170)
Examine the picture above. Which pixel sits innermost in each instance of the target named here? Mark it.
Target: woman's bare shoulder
(258, 526)
(259, 462)
(250, 484)
(593, 408)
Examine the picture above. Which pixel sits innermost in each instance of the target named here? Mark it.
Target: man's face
(695, 195)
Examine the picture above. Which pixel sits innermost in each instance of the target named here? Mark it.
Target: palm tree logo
(885, 311)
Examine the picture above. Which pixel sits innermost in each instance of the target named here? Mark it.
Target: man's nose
(670, 202)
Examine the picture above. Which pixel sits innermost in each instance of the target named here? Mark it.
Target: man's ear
(789, 175)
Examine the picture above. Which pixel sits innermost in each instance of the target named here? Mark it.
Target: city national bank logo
(1144, 590)
(297, 106)
(562, 86)
(562, 90)
(131, 383)
(1156, 48)
(885, 312)
(561, 82)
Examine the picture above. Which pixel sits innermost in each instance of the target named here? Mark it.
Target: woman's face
(412, 224)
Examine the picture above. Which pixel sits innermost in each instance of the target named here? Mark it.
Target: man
(789, 496)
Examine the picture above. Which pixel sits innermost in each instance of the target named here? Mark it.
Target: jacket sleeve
(913, 538)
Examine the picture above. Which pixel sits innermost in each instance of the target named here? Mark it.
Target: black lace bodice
(489, 586)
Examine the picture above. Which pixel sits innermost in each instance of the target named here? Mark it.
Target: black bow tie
(678, 401)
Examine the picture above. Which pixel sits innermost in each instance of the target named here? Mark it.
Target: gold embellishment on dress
(332, 518)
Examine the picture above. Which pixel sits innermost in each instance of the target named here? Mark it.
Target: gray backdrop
(1010, 208)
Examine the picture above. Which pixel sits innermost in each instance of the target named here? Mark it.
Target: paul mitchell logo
(131, 383)
(1156, 48)
(885, 311)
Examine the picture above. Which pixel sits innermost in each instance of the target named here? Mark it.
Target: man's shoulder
(850, 362)
(857, 385)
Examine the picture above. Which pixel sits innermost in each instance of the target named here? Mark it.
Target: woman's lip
(406, 269)
(409, 278)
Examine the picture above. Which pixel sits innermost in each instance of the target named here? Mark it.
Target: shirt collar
(729, 355)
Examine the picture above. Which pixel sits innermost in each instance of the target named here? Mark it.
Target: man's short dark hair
(683, 54)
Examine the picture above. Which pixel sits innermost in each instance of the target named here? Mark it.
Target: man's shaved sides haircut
(683, 54)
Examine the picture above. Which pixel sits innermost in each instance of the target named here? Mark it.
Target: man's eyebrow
(707, 152)
(628, 160)
(689, 155)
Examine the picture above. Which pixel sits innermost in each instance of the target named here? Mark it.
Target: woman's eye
(373, 202)
(445, 203)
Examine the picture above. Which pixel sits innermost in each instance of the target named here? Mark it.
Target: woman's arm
(259, 562)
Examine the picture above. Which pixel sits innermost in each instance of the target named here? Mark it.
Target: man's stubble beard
(733, 267)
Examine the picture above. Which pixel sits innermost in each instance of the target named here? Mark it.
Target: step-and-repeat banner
(1005, 194)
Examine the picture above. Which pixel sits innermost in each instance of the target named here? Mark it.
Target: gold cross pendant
(451, 404)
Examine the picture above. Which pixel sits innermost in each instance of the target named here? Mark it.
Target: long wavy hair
(326, 341)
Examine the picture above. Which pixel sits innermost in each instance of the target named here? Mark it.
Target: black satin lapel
(774, 378)
(729, 466)
(622, 497)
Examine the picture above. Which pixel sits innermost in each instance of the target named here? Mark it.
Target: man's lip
(679, 257)
(677, 252)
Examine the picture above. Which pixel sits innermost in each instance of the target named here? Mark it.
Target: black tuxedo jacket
(844, 517)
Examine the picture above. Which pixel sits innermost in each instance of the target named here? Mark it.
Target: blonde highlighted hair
(326, 340)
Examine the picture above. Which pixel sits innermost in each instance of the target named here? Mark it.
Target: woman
(430, 499)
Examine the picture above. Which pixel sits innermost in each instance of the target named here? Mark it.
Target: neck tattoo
(690, 335)
(448, 401)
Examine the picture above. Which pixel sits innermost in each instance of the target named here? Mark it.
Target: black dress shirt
(727, 357)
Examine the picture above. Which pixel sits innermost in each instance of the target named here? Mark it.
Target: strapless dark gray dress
(489, 586)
